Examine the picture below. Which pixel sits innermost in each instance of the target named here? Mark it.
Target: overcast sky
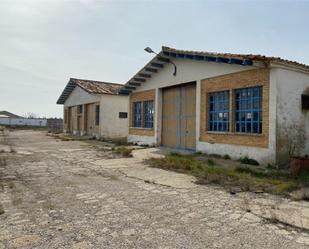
(44, 43)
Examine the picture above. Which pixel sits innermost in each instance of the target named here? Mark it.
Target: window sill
(235, 133)
(141, 128)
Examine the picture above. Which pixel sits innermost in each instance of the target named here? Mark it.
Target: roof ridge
(257, 57)
(97, 81)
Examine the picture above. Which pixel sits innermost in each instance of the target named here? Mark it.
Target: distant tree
(31, 115)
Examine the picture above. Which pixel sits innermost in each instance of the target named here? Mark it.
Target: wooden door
(178, 116)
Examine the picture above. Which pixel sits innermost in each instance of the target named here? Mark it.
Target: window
(248, 110)
(97, 115)
(148, 114)
(218, 111)
(80, 109)
(123, 115)
(137, 109)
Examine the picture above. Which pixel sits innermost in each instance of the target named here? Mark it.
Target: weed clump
(123, 151)
(250, 161)
(226, 157)
(210, 162)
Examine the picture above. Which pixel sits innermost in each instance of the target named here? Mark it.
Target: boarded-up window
(97, 115)
(305, 102)
(123, 115)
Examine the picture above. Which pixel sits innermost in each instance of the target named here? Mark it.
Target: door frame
(160, 130)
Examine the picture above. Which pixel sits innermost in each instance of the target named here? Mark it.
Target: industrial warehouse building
(94, 108)
(240, 105)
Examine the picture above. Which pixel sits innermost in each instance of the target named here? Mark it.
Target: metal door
(178, 116)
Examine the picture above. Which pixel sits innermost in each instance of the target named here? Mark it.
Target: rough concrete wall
(79, 97)
(292, 121)
(111, 125)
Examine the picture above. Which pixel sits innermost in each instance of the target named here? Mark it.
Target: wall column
(198, 112)
(158, 116)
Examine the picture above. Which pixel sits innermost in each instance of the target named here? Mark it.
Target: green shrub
(215, 155)
(250, 161)
(226, 157)
(125, 152)
(210, 162)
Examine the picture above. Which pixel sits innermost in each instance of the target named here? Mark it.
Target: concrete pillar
(198, 112)
(158, 116)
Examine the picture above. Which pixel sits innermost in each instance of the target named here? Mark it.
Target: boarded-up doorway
(178, 116)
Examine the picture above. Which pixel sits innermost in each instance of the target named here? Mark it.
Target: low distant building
(94, 108)
(7, 114)
(10, 119)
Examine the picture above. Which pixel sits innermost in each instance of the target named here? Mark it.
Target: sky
(45, 42)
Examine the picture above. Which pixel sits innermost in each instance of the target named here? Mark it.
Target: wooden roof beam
(159, 65)
(150, 69)
(145, 75)
(134, 83)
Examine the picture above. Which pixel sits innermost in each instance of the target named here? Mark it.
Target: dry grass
(123, 151)
(244, 178)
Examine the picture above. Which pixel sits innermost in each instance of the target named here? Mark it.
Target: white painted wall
(79, 96)
(111, 126)
(292, 122)
(187, 71)
(142, 140)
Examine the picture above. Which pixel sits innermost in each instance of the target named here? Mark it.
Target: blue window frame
(218, 111)
(137, 121)
(248, 110)
(97, 115)
(80, 109)
(148, 114)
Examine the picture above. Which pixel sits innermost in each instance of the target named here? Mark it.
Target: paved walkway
(59, 194)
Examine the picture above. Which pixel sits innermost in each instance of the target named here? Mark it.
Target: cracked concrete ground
(59, 194)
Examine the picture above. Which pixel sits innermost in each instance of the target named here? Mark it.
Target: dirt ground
(55, 194)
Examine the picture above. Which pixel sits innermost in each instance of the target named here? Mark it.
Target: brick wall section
(65, 117)
(250, 78)
(137, 97)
